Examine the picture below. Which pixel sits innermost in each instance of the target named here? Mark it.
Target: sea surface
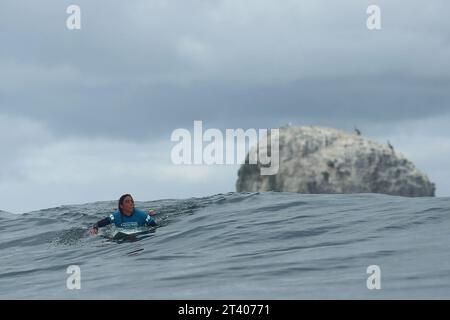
(235, 246)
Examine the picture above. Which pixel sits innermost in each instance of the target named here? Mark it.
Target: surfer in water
(127, 216)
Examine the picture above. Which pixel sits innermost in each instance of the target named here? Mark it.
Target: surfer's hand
(93, 231)
(152, 212)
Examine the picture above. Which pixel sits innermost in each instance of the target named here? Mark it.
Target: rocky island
(326, 160)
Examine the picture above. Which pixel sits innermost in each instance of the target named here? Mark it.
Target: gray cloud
(143, 112)
(165, 63)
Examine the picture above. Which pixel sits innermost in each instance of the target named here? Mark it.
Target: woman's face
(127, 205)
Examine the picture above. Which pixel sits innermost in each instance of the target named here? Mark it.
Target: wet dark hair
(122, 199)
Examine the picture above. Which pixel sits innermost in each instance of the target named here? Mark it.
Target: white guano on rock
(325, 160)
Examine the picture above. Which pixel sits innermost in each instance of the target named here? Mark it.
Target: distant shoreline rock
(325, 160)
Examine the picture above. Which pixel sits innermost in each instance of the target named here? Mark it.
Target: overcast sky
(86, 115)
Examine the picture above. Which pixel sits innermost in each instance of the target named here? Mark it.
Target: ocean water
(235, 246)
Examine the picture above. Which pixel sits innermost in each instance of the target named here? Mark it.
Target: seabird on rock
(357, 131)
(390, 145)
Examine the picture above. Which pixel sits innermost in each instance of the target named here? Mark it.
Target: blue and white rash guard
(139, 218)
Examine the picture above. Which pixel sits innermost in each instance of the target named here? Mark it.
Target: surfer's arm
(149, 221)
(102, 223)
(99, 224)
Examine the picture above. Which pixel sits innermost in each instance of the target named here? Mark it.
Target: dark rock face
(325, 160)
